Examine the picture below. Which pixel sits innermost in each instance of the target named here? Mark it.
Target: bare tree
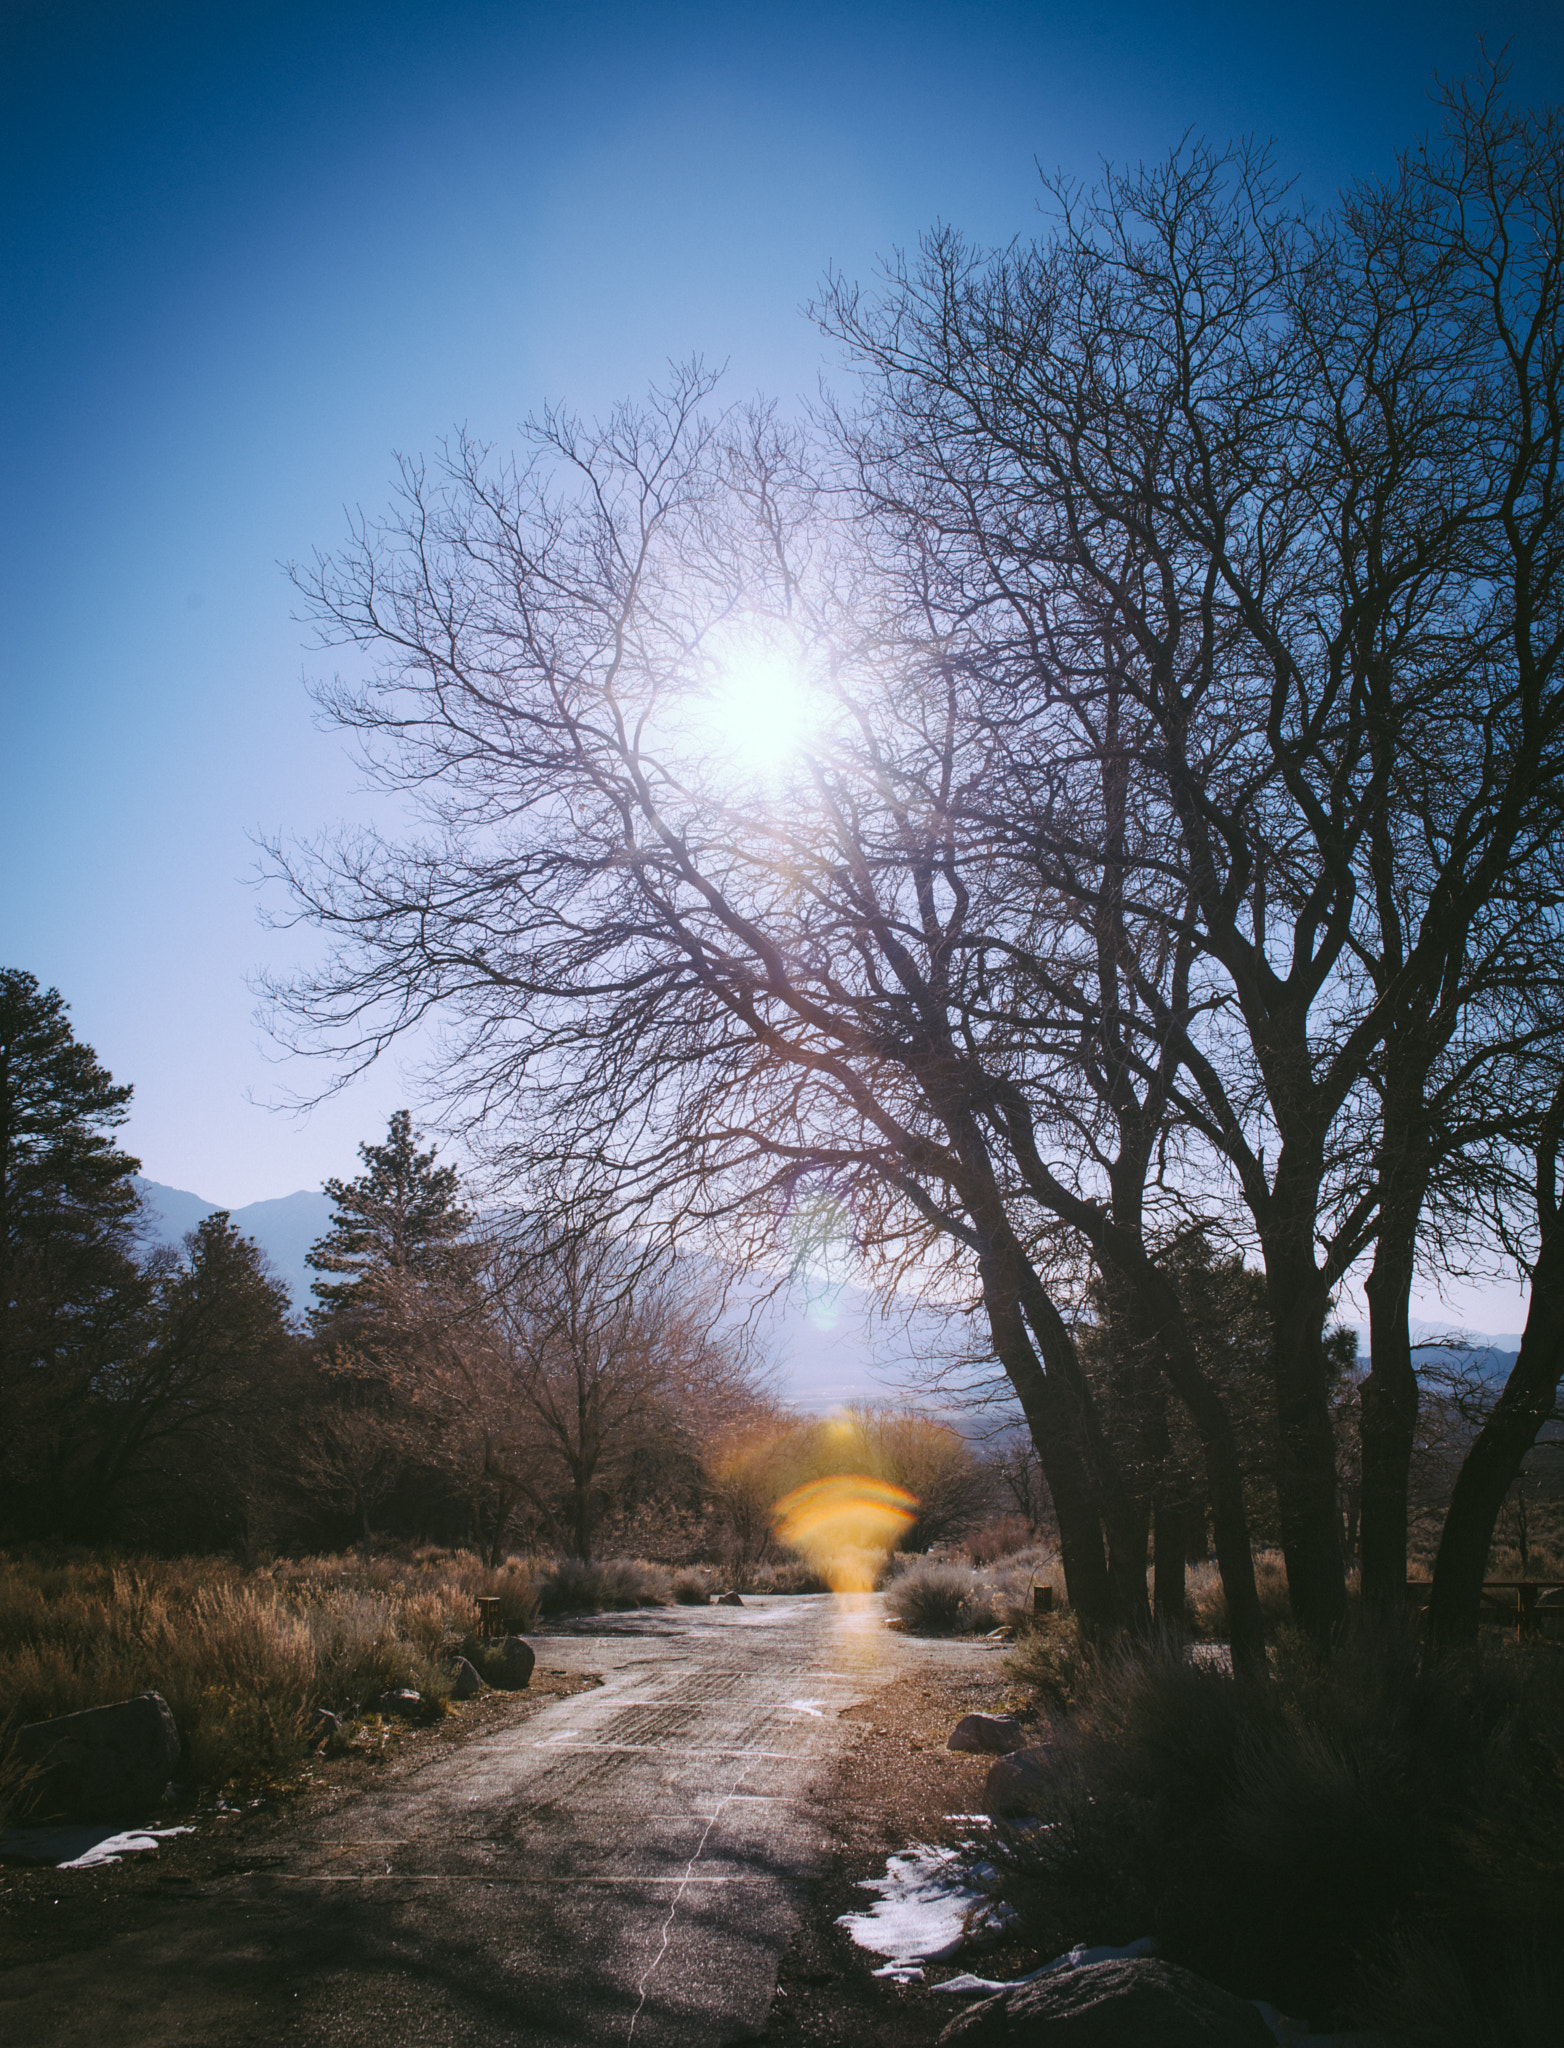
(1178, 630)
(611, 1360)
(1294, 482)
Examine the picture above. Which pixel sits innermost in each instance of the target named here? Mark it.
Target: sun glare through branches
(760, 712)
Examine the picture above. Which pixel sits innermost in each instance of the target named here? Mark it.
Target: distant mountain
(829, 1345)
(284, 1228)
(832, 1347)
(1469, 1355)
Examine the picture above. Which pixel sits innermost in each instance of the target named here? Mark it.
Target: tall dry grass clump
(245, 1658)
(949, 1596)
(571, 1587)
(1362, 1841)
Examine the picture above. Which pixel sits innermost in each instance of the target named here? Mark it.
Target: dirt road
(623, 1866)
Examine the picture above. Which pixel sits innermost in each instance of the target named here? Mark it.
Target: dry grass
(783, 1575)
(1208, 1602)
(948, 1596)
(244, 1658)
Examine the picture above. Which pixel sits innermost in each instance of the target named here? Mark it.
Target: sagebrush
(1368, 1841)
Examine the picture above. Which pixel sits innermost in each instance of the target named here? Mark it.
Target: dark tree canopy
(64, 1182)
(68, 1281)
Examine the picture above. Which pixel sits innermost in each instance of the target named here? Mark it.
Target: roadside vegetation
(1368, 1840)
(245, 1658)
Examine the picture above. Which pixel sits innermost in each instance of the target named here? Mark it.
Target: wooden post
(489, 1616)
(1525, 1611)
(1042, 1599)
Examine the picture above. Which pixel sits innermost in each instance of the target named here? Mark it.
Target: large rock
(509, 1663)
(987, 1734)
(109, 1763)
(1144, 2003)
(465, 1682)
(1019, 1782)
(728, 1600)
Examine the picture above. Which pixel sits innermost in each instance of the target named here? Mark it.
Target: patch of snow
(83, 1848)
(1288, 2033)
(927, 1911)
(1077, 1957)
(815, 1707)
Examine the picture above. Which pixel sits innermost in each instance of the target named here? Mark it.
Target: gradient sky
(254, 249)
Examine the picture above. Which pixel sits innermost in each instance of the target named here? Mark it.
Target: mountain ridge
(827, 1354)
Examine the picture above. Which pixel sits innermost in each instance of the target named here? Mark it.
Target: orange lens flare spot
(846, 1526)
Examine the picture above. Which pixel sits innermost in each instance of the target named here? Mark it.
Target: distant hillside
(284, 1228)
(829, 1350)
(829, 1347)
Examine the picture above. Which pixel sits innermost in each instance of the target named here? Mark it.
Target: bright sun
(760, 709)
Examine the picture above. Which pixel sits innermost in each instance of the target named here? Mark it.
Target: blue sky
(254, 249)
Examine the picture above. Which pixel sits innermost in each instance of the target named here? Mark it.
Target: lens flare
(845, 1525)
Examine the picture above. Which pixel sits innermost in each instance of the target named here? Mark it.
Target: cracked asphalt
(625, 1865)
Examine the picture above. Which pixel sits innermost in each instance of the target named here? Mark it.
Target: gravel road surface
(623, 1866)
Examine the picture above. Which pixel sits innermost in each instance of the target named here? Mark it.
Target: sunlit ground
(847, 1525)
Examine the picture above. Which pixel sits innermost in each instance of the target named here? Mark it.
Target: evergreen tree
(401, 1222)
(189, 1410)
(68, 1278)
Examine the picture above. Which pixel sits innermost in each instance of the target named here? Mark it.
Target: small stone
(323, 1725)
(403, 1704)
(987, 1734)
(466, 1684)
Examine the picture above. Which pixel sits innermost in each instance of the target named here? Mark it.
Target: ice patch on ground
(929, 1908)
(83, 1848)
(815, 1707)
(1074, 1960)
(1288, 2033)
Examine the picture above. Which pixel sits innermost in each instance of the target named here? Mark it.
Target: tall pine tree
(68, 1278)
(400, 1222)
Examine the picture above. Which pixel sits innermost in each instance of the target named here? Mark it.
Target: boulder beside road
(106, 1763)
(505, 1662)
(1017, 1783)
(465, 1682)
(510, 1663)
(1141, 2003)
(987, 1735)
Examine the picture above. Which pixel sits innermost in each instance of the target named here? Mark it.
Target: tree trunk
(581, 1513)
(1169, 1554)
(1224, 1475)
(1388, 1427)
(1056, 1433)
(1388, 1416)
(1055, 1409)
(1490, 1466)
(1306, 1445)
(1129, 1543)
